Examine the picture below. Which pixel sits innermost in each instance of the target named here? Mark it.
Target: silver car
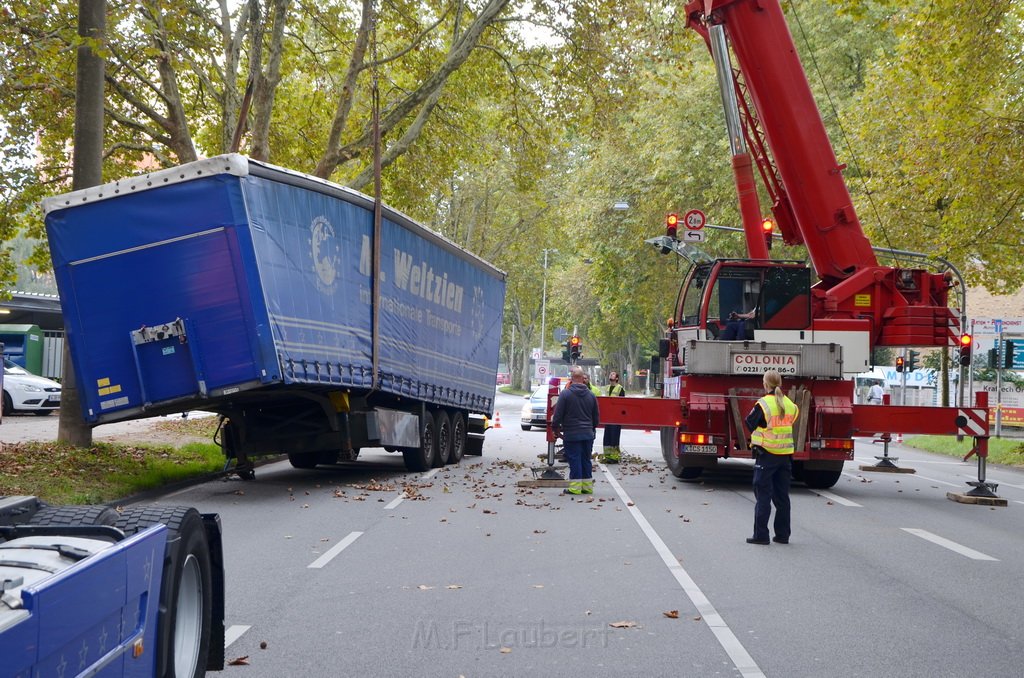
(27, 392)
(535, 409)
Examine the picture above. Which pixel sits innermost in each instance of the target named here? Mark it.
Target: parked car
(27, 392)
(535, 409)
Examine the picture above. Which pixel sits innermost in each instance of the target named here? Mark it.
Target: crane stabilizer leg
(984, 492)
(886, 464)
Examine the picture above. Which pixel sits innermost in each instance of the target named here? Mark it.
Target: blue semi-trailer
(313, 320)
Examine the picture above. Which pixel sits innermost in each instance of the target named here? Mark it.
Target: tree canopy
(513, 127)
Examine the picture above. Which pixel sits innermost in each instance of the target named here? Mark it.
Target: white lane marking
(931, 480)
(335, 550)
(1018, 502)
(401, 495)
(946, 543)
(996, 480)
(233, 633)
(836, 498)
(726, 638)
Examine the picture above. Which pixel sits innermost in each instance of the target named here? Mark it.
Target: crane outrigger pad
(966, 498)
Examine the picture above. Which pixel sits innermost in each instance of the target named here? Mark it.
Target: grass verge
(1008, 451)
(59, 473)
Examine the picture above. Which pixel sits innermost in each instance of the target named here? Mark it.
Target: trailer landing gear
(886, 464)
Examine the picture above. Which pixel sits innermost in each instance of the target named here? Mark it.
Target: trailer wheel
(185, 617)
(458, 437)
(422, 458)
(443, 429)
(75, 515)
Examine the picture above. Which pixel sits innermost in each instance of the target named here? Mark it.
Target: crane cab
(778, 293)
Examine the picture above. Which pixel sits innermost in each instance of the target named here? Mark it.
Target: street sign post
(694, 220)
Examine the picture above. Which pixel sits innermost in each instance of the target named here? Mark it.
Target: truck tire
(458, 437)
(421, 458)
(185, 616)
(75, 515)
(818, 479)
(303, 460)
(443, 429)
(674, 463)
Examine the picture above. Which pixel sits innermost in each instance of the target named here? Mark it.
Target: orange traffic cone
(497, 420)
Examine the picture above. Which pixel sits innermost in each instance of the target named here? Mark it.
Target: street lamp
(544, 303)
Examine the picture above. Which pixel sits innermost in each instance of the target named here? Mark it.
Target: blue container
(227, 276)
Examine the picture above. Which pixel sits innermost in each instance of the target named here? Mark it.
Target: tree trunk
(88, 171)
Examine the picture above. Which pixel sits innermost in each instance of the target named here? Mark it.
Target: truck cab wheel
(185, 618)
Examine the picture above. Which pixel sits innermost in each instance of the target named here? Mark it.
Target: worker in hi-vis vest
(611, 452)
(771, 441)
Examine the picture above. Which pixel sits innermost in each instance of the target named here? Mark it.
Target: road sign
(999, 325)
(561, 334)
(541, 369)
(693, 236)
(1018, 354)
(694, 220)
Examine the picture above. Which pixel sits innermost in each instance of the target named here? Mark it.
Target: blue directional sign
(1018, 354)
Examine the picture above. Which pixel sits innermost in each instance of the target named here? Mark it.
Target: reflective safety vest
(616, 390)
(778, 437)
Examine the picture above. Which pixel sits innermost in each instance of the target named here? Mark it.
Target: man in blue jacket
(575, 422)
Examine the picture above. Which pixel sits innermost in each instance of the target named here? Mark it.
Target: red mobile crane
(817, 335)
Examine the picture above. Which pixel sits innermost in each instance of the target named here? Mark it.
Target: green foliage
(1000, 450)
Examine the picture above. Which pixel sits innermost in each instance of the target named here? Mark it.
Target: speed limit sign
(694, 220)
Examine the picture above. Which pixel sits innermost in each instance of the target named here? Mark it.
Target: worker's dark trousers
(577, 454)
(772, 473)
(612, 433)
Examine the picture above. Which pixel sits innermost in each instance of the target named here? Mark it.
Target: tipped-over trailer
(315, 320)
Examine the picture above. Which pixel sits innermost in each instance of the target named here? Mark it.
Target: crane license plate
(700, 449)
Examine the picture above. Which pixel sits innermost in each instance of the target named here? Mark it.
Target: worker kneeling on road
(771, 425)
(575, 421)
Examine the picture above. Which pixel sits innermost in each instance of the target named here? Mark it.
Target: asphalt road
(339, 575)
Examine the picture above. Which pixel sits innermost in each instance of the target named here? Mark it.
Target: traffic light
(672, 225)
(993, 358)
(912, 357)
(565, 351)
(767, 227)
(966, 344)
(899, 363)
(575, 348)
(1007, 354)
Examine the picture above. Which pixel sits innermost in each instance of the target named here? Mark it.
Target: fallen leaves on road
(623, 625)
(672, 614)
(239, 661)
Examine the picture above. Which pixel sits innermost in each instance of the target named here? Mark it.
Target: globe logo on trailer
(326, 251)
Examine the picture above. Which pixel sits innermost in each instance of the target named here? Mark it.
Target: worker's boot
(575, 487)
(610, 455)
(588, 486)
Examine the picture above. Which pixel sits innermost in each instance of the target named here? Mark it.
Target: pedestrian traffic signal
(672, 225)
(912, 357)
(966, 344)
(575, 348)
(899, 363)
